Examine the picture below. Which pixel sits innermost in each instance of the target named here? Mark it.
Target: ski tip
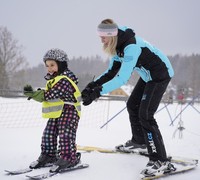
(17, 172)
(8, 172)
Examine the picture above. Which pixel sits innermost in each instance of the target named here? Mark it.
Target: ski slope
(21, 146)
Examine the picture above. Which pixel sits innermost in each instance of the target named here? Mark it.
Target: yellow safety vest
(53, 108)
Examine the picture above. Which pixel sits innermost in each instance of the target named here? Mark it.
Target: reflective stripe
(78, 107)
(79, 98)
(53, 100)
(51, 109)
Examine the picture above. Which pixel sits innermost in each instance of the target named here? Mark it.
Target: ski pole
(123, 110)
(112, 117)
(162, 108)
(165, 106)
(184, 109)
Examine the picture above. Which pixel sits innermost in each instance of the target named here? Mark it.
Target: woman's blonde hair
(110, 49)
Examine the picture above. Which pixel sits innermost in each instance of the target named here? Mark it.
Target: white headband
(107, 29)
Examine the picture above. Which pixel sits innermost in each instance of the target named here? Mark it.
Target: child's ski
(49, 174)
(24, 170)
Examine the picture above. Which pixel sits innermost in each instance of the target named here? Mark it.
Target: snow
(21, 145)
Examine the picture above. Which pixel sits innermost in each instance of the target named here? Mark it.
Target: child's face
(52, 66)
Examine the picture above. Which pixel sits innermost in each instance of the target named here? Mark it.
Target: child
(61, 104)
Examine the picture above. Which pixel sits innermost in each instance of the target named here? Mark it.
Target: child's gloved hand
(36, 95)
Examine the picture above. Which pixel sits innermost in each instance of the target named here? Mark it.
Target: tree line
(14, 72)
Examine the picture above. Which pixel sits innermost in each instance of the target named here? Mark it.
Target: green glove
(36, 95)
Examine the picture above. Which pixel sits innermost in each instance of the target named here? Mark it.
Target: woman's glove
(89, 95)
(91, 85)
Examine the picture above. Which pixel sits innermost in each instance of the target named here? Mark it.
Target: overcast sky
(171, 25)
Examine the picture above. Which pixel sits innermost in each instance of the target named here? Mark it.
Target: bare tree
(11, 58)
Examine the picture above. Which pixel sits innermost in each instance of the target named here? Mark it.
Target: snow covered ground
(21, 145)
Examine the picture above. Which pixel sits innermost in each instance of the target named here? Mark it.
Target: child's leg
(49, 138)
(67, 127)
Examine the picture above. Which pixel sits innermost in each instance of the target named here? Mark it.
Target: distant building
(118, 92)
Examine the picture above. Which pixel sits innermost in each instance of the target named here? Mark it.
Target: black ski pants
(142, 105)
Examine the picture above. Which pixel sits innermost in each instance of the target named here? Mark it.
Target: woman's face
(52, 66)
(105, 39)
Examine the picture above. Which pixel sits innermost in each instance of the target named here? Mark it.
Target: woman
(131, 53)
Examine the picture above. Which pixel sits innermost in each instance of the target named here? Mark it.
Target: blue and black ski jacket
(134, 54)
